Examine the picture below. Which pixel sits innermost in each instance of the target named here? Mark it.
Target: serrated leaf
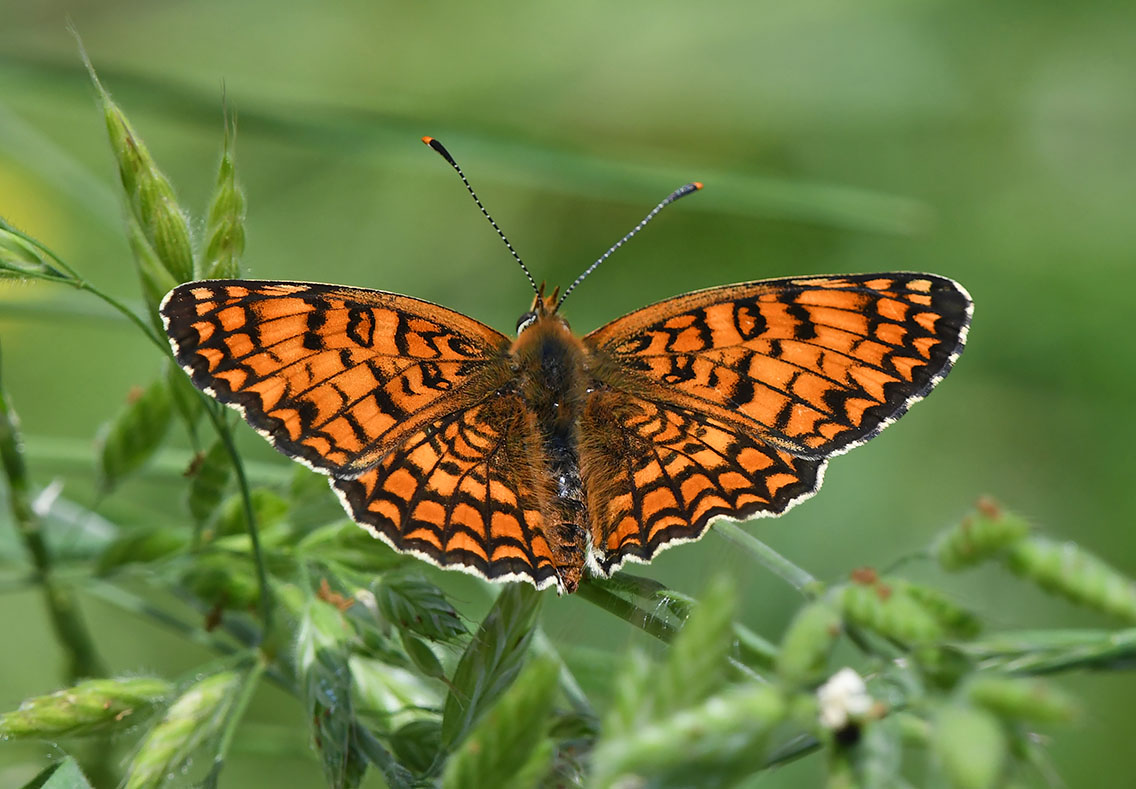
(510, 748)
(413, 603)
(491, 661)
(140, 547)
(129, 440)
(65, 774)
(210, 479)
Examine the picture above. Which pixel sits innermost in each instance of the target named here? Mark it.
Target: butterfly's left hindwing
(657, 475)
(333, 376)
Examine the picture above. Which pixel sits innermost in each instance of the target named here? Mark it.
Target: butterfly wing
(656, 475)
(467, 492)
(814, 365)
(333, 376)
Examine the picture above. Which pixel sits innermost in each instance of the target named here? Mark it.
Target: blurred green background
(992, 143)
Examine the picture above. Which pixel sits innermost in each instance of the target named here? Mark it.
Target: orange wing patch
(333, 376)
(469, 492)
(816, 365)
(656, 475)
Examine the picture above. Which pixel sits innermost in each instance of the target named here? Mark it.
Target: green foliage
(491, 661)
(91, 707)
(510, 748)
(376, 652)
(971, 747)
(65, 774)
(208, 481)
(132, 437)
(225, 228)
(195, 718)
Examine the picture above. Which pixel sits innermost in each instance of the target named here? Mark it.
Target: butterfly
(543, 455)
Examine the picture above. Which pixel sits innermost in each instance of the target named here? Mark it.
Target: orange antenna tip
(697, 184)
(427, 140)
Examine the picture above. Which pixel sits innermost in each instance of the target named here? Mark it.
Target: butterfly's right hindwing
(469, 492)
(333, 376)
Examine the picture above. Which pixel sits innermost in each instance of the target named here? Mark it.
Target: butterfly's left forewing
(814, 365)
(333, 376)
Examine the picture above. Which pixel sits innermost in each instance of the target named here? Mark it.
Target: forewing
(657, 475)
(332, 376)
(816, 365)
(467, 492)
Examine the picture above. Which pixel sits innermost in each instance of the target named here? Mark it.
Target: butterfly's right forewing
(336, 377)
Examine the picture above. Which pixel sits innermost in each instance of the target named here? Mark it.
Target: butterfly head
(543, 307)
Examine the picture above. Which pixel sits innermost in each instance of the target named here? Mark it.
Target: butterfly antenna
(681, 192)
(441, 150)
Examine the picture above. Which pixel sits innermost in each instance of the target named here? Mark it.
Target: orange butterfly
(533, 457)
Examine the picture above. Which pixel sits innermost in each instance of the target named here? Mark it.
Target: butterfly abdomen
(550, 366)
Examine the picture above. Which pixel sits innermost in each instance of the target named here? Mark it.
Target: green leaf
(141, 547)
(1067, 570)
(422, 656)
(208, 483)
(807, 642)
(510, 748)
(20, 258)
(875, 606)
(132, 437)
(65, 774)
(715, 743)
(153, 277)
(417, 743)
(412, 603)
(629, 707)
(971, 746)
(186, 399)
(91, 707)
(149, 194)
(955, 620)
(879, 759)
(491, 661)
(346, 543)
(325, 677)
(697, 660)
(269, 508)
(1022, 698)
(222, 580)
(192, 720)
(225, 224)
(980, 536)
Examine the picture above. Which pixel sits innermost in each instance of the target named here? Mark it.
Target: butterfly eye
(526, 320)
